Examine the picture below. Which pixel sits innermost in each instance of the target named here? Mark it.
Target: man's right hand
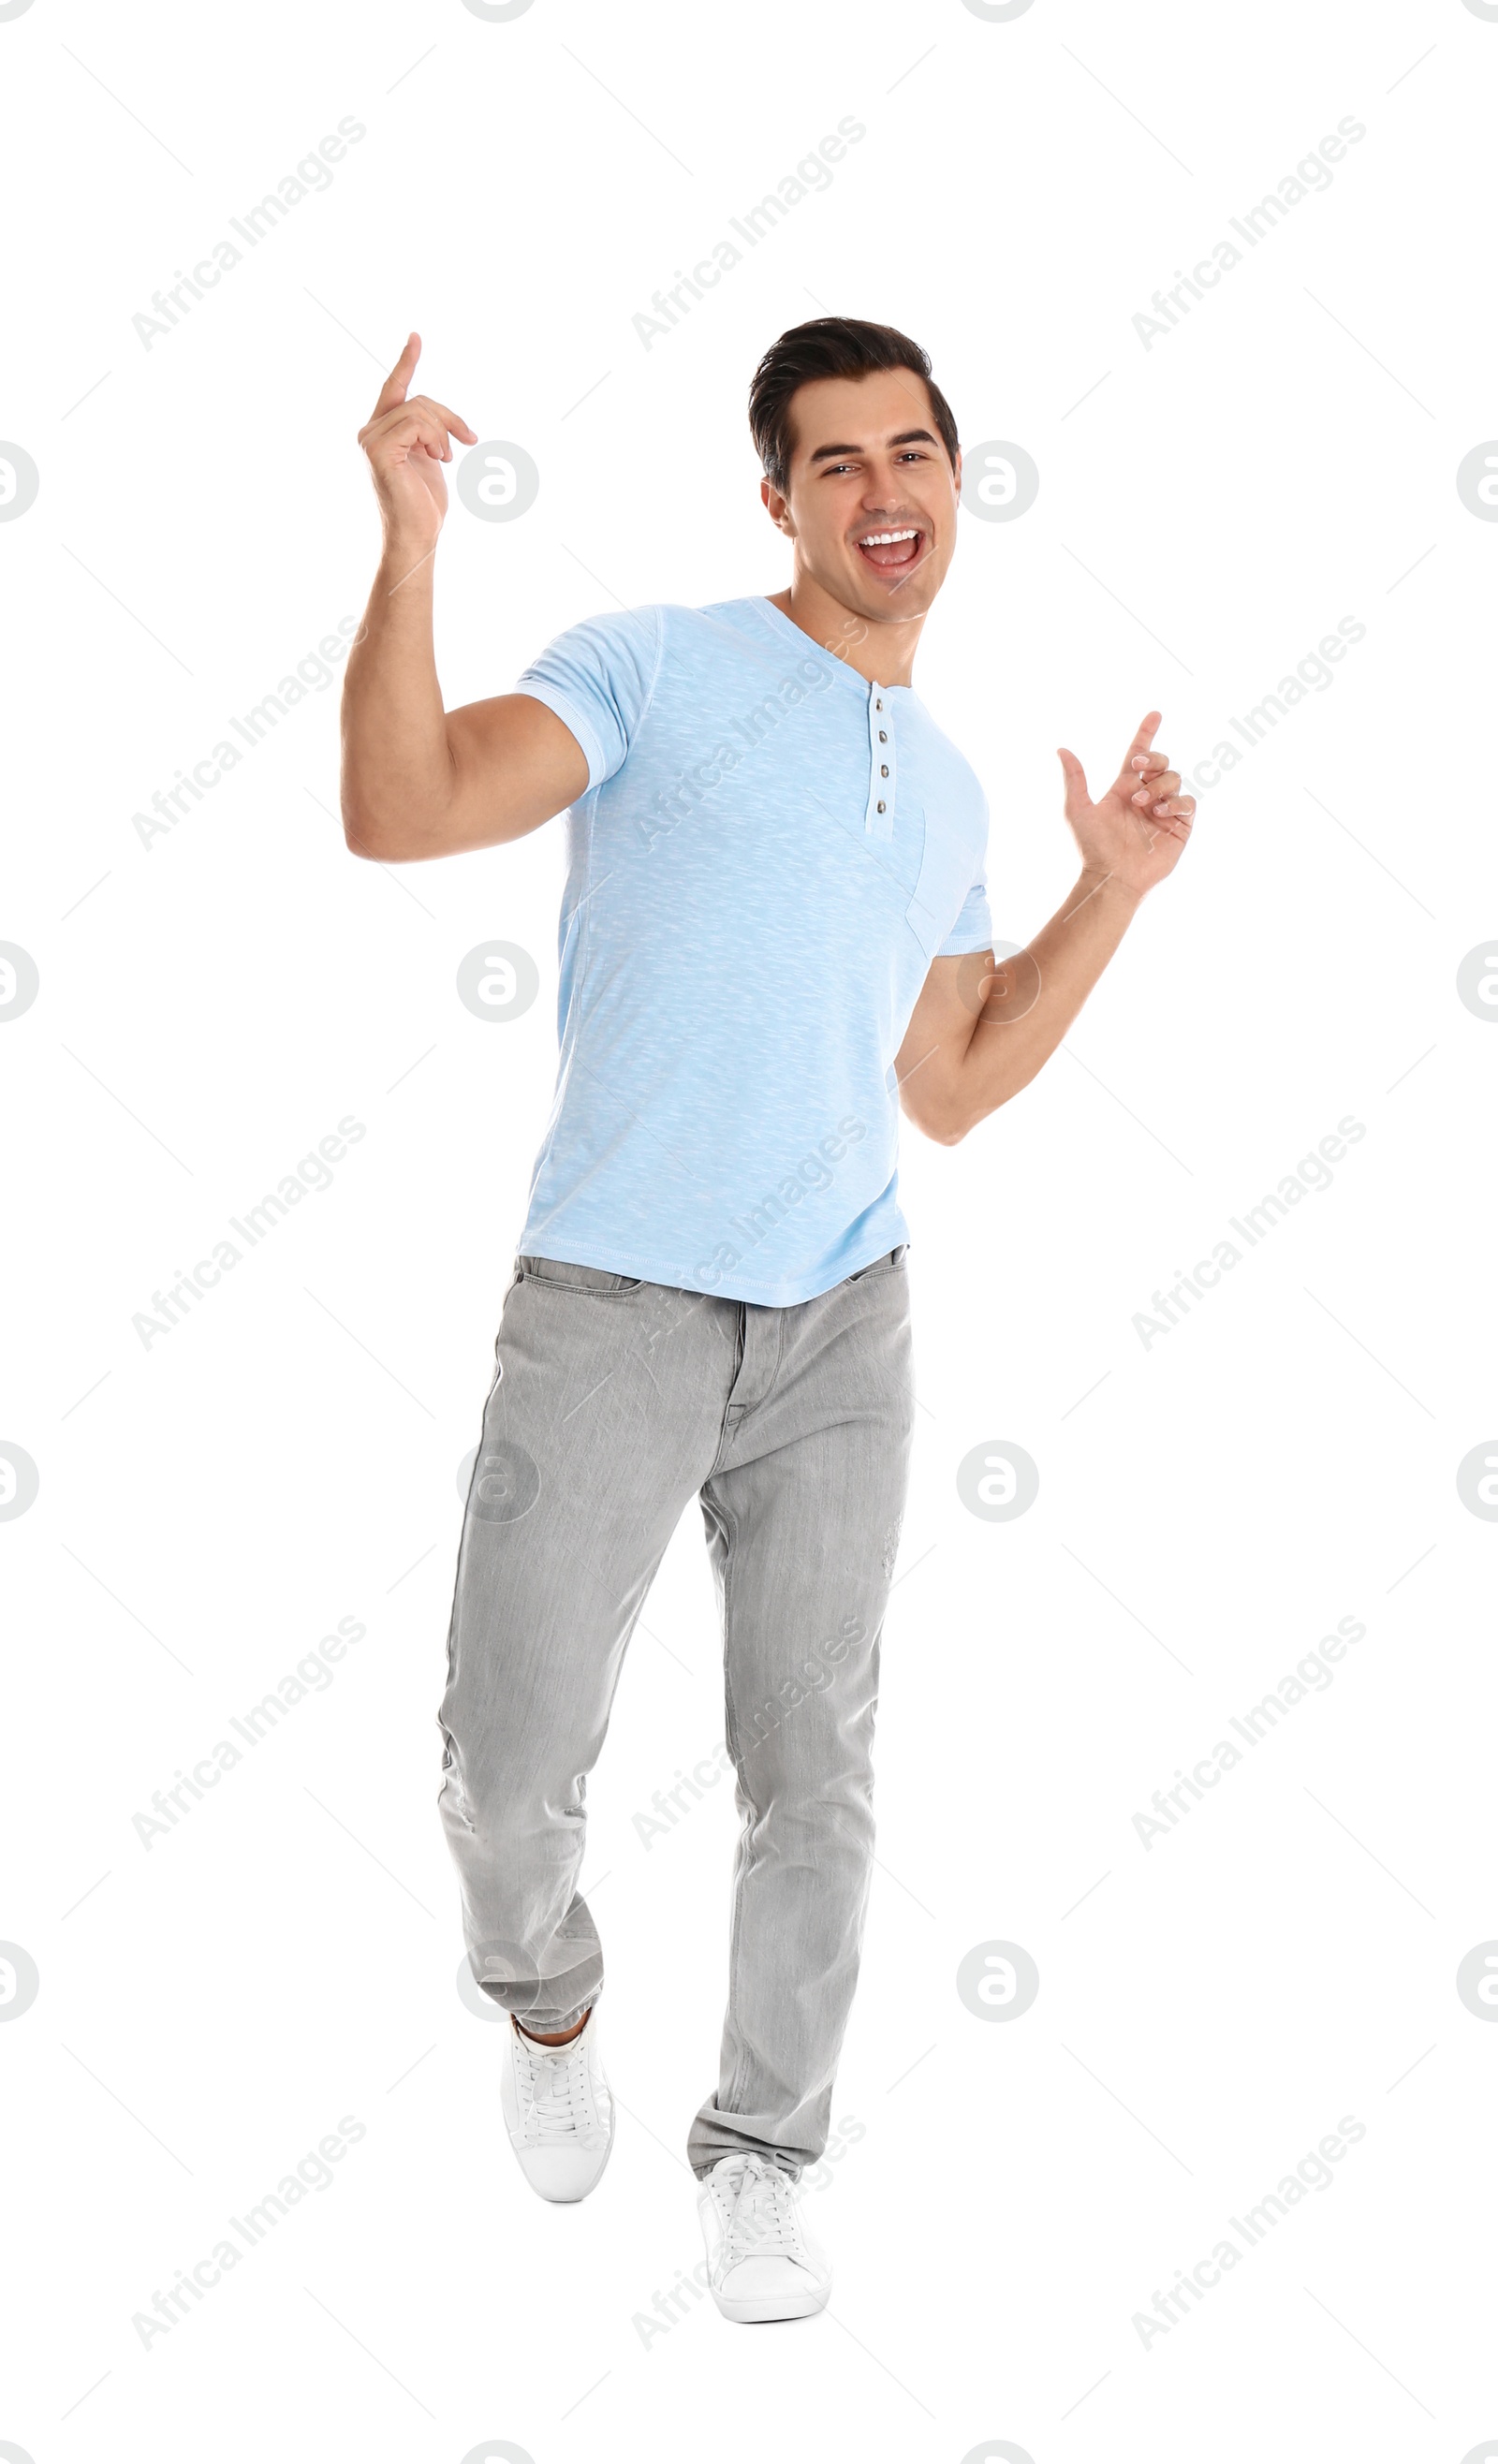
(407, 444)
(418, 780)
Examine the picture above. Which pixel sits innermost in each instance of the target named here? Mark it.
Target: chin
(898, 606)
(895, 601)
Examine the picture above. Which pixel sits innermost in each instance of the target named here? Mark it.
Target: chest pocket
(949, 866)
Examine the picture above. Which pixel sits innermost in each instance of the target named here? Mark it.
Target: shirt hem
(732, 1288)
(572, 718)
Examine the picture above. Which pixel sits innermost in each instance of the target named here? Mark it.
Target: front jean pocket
(563, 1276)
(890, 1264)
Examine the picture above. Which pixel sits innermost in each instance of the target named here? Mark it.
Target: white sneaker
(762, 2262)
(558, 2111)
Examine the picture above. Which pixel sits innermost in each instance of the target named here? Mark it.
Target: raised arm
(418, 780)
(982, 1028)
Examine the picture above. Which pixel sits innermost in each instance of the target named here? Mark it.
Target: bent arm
(419, 782)
(983, 1027)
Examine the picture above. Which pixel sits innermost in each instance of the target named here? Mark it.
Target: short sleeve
(598, 677)
(973, 928)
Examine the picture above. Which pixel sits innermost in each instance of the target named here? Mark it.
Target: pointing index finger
(394, 388)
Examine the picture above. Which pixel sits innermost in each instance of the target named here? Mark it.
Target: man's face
(868, 462)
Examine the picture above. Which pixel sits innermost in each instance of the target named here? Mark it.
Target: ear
(776, 506)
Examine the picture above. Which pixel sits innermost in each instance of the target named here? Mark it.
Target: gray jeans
(614, 1402)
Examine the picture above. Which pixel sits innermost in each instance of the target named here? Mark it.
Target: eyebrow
(908, 436)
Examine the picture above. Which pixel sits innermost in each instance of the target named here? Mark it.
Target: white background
(1007, 2196)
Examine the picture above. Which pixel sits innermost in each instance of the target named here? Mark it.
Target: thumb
(1074, 776)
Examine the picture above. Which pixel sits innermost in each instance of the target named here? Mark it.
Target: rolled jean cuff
(533, 2017)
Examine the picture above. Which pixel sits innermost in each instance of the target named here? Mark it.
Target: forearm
(1038, 994)
(398, 772)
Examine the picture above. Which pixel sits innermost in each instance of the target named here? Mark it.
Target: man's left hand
(1135, 834)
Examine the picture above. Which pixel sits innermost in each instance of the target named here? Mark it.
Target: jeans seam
(450, 1742)
(731, 1729)
(725, 1430)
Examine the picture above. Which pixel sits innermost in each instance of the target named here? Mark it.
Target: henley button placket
(879, 811)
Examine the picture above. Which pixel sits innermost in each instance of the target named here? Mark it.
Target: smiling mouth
(890, 551)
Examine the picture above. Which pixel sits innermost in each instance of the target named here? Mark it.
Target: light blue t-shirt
(769, 856)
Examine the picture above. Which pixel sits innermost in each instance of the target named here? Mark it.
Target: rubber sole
(761, 2310)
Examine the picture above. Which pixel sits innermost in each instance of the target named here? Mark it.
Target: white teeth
(887, 538)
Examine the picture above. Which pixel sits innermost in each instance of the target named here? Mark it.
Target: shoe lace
(558, 2102)
(763, 2216)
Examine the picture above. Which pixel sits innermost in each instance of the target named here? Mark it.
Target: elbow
(365, 834)
(944, 1128)
(359, 833)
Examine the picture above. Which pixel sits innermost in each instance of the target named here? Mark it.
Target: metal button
(878, 705)
(883, 738)
(878, 808)
(884, 769)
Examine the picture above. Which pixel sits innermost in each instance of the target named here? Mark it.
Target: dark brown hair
(830, 346)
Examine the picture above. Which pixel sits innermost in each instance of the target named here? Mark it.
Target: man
(774, 935)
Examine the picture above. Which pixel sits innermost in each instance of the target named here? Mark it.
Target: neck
(882, 650)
